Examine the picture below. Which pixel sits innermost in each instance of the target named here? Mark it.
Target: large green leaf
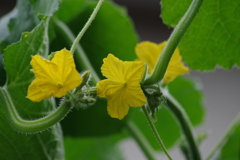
(189, 96)
(46, 145)
(70, 9)
(213, 37)
(24, 17)
(103, 148)
(110, 32)
(231, 148)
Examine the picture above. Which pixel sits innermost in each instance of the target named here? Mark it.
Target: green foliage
(26, 31)
(212, 36)
(104, 148)
(117, 37)
(183, 90)
(47, 145)
(24, 17)
(230, 149)
(188, 93)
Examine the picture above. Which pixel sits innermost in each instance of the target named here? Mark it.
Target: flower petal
(64, 60)
(148, 52)
(175, 67)
(43, 69)
(35, 94)
(107, 88)
(135, 96)
(117, 106)
(112, 68)
(133, 71)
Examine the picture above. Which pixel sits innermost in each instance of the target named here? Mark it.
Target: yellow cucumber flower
(148, 52)
(55, 77)
(122, 88)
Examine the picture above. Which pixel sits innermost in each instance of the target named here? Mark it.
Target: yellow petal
(55, 77)
(64, 60)
(108, 88)
(133, 71)
(117, 106)
(175, 68)
(112, 68)
(148, 52)
(135, 96)
(122, 88)
(43, 69)
(73, 79)
(35, 94)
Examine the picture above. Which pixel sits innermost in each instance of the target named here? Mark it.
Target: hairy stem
(149, 119)
(79, 36)
(173, 42)
(31, 126)
(184, 122)
(141, 140)
(234, 124)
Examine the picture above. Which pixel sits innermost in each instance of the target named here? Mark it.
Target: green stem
(93, 15)
(173, 42)
(234, 124)
(80, 55)
(185, 123)
(141, 140)
(149, 119)
(31, 126)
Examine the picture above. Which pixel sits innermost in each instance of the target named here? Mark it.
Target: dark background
(221, 88)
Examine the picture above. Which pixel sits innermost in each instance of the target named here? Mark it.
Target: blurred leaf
(24, 17)
(2, 72)
(47, 145)
(231, 148)
(102, 37)
(189, 96)
(93, 121)
(213, 37)
(69, 9)
(104, 148)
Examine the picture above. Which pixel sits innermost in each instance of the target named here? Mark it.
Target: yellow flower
(55, 77)
(149, 52)
(122, 88)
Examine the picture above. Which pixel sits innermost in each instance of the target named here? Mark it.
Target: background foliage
(212, 36)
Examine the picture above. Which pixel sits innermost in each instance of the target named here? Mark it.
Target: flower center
(59, 85)
(124, 84)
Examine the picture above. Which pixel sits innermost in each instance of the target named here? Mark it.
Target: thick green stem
(234, 124)
(149, 119)
(173, 42)
(80, 56)
(31, 126)
(141, 140)
(184, 122)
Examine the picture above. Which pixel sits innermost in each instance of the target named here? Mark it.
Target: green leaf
(24, 17)
(189, 96)
(212, 38)
(70, 9)
(231, 148)
(47, 145)
(104, 148)
(102, 37)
